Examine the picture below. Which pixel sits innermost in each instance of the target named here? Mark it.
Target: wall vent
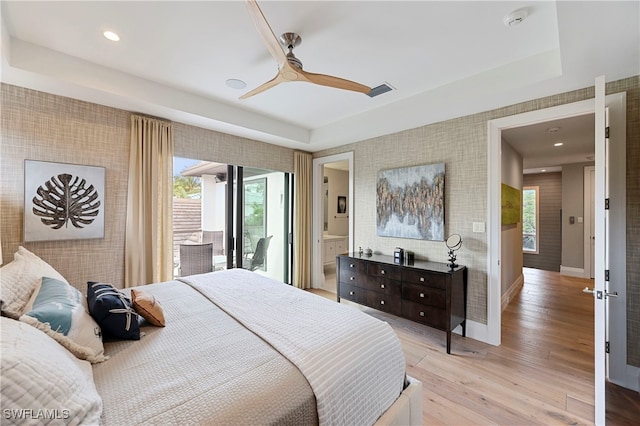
(379, 90)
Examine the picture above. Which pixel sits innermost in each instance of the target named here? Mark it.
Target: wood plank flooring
(541, 374)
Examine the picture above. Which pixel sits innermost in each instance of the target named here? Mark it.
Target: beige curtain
(149, 234)
(303, 170)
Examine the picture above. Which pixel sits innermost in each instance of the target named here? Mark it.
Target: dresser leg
(449, 342)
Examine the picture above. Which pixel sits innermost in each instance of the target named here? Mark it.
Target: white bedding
(354, 362)
(202, 368)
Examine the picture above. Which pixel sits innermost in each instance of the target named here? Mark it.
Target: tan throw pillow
(146, 305)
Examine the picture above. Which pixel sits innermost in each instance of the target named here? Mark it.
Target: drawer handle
(421, 294)
(381, 285)
(382, 272)
(351, 293)
(421, 313)
(421, 279)
(352, 278)
(351, 265)
(382, 302)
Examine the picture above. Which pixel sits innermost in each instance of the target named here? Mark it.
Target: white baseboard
(514, 288)
(476, 331)
(572, 272)
(631, 378)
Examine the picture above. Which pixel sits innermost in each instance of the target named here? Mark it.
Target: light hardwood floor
(542, 373)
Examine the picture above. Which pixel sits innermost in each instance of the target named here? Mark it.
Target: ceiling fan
(290, 67)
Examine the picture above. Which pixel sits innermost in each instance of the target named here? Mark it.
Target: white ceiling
(536, 143)
(445, 59)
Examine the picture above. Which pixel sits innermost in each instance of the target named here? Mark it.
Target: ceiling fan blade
(265, 86)
(337, 82)
(266, 33)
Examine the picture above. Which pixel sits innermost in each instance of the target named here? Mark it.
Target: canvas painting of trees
(410, 202)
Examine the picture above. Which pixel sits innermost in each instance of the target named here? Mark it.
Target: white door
(601, 251)
(592, 223)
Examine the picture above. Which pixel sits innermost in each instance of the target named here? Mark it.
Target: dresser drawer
(428, 315)
(353, 293)
(424, 278)
(382, 302)
(381, 285)
(353, 265)
(423, 295)
(386, 271)
(353, 278)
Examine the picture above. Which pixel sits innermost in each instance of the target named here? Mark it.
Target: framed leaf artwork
(63, 201)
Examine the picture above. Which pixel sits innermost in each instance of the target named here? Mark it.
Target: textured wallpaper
(40, 126)
(46, 127)
(462, 145)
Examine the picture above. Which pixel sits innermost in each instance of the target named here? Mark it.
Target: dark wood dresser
(430, 293)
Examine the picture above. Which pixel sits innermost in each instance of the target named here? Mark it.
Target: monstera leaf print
(66, 198)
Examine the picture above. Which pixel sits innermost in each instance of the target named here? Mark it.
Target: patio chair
(196, 259)
(257, 260)
(215, 237)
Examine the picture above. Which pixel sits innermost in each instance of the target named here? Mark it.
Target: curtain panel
(302, 169)
(149, 234)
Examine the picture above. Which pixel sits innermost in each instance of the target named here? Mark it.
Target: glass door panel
(265, 237)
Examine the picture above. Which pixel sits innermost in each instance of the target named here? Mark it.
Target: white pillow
(20, 278)
(41, 380)
(60, 310)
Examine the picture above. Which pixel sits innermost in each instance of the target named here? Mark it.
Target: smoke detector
(515, 17)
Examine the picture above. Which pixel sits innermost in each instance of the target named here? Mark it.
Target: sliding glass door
(245, 212)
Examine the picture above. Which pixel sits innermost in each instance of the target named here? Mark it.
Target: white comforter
(203, 368)
(353, 362)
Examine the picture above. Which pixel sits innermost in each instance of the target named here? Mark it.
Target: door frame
(317, 246)
(494, 139)
(494, 166)
(619, 372)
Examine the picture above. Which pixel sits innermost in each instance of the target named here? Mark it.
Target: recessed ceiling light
(234, 83)
(111, 35)
(543, 170)
(558, 144)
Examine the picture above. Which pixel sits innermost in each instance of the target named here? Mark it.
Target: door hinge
(606, 132)
(606, 274)
(606, 204)
(607, 347)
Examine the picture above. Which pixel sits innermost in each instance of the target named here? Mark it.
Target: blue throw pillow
(112, 311)
(59, 310)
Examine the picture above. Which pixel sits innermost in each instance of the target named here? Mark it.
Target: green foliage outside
(186, 187)
(529, 211)
(256, 218)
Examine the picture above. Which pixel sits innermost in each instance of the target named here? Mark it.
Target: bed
(237, 348)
